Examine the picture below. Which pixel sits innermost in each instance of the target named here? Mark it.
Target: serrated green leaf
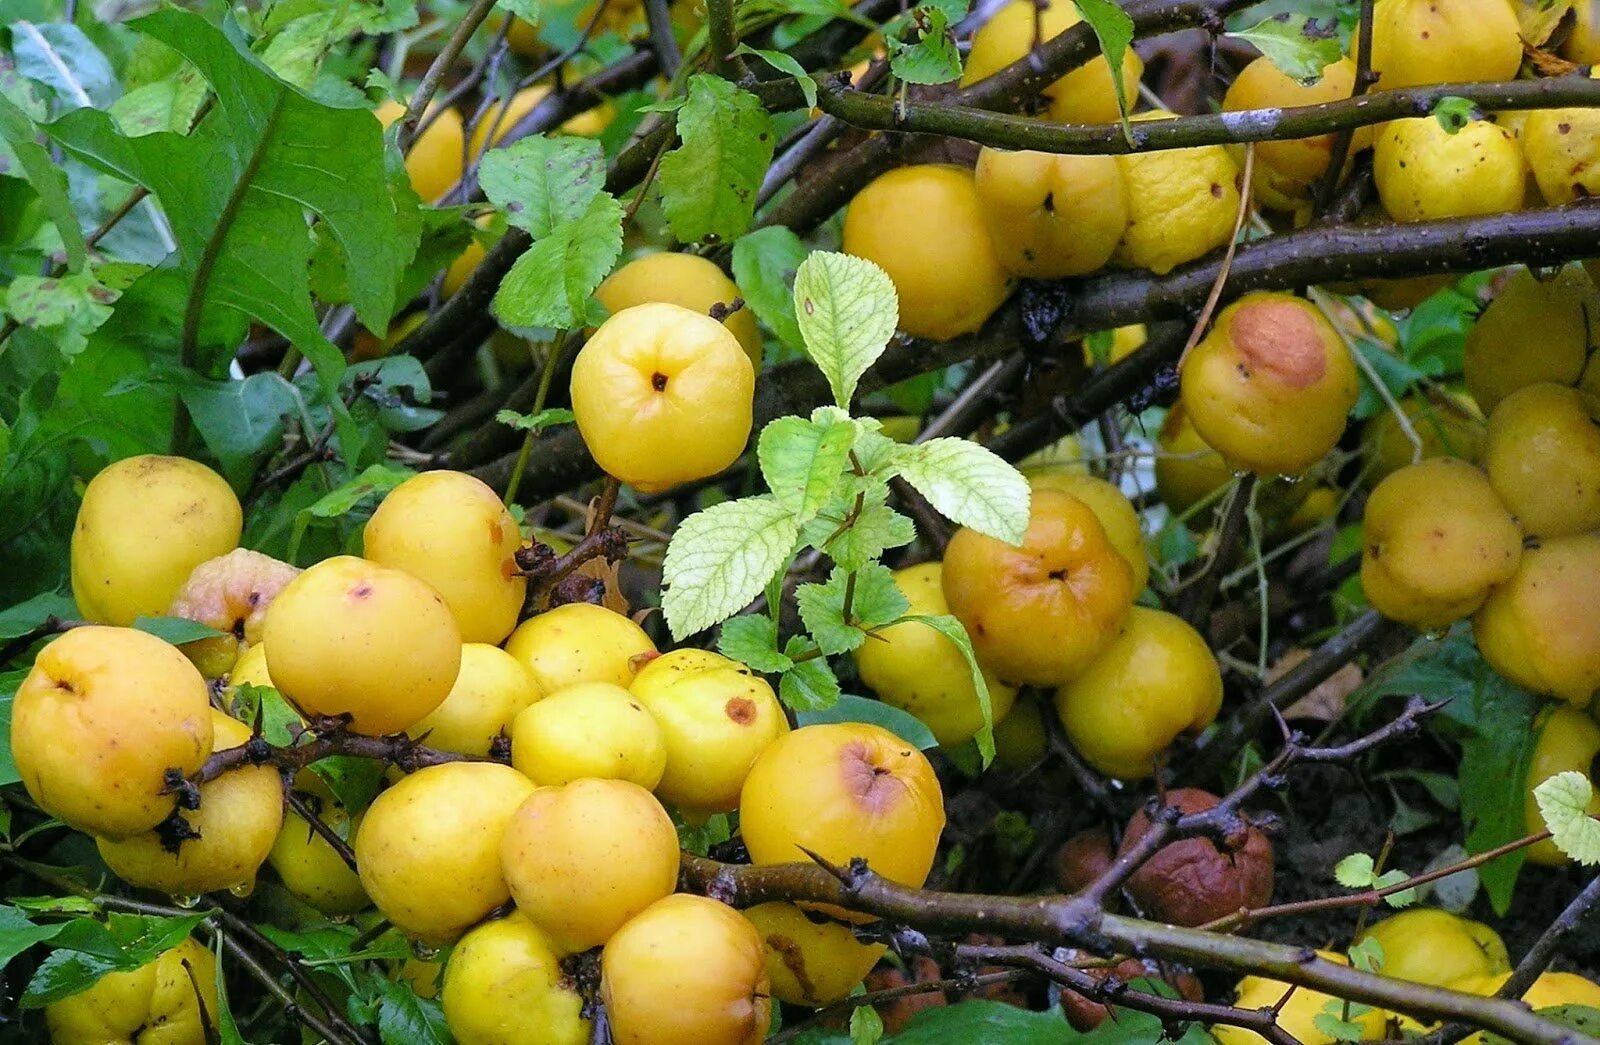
(1330, 1021)
(1299, 45)
(970, 485)
(1394, 876)
(952, 629)
(847, 309)
(67, 309)
(699, 838)
(543, 183)
(46, 177)
(930, 56)
(536, 422)
(801, 461)
(764, 265)
(709, 182)
(1564, 806)
(866, 1026)
(822, 609)
(849, 708)
(1354, 871)
(375, 480)
(753, 641)
(811, 684)
(785, 63)
(876, 529)
(550, 285)
(721, 559)
(1366, 954)
(1113, 29)
(878, 600)
(279, 721)
(1454, 113)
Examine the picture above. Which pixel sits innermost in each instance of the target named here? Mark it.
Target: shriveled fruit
(924, 226)
(230, 593)
(1436, 538)
(434, 161)
(1447, 426)
(914, 667)
(684, 279)
(1085, 95)
(170, 1001)
(1417, 42)
(663, 396)
(584, 858)
(238, 820)
(429, 847)
(716, 718)
(491, 687)
(145, 523)
(593, 729)
(1085, 1015)
(1287, 172)
(1051, 216)
(1433, 946)
(1156, 681)
(1271, 385)
(1425, 172)
(1542, 454)
(1197, 880)
(580, 642)
(311, 868)
(1042, 612)
(1083, 858)
(1109, 504)
(1297, 1016)
(686, 971)
(99, 721)
(1563, 153)
(1541, 628)
(1535, 331)
(451, 531)
(1182, 203)
(844, 790)
(504, 985)
(811, 959)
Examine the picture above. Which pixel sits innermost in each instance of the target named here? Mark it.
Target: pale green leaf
(753, 641)
(1394, 876)
(535, 422)
(802, 460)
(764, 264)
(1454, 113)
(1300, 45)
(785, 63)
(709, 182)
(550, 285)
(970, 485)
(930, 56)
(1354, 871)
(952, 629)
(1564, 806)
(543, 183)
(810, 685)
(847, 310)
(1114, 31)
(720, 560)
(65, 308)
(866, 1026)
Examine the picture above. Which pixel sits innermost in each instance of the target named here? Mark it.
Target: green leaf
(1564, 806)
(47, 179)
(279, 721)
(785, 63)
(1299, 45)
(952, 629)
(822, 609)
(536, 422)
(406, 1019)
(699, 839)
(876, 529)
(753, 641)
(970, 485)
(764, 265)
(1114, 31)
(1367, 954)
(67, 309)
(1394, 876)
(543, 183)
(1354, 871)
(375, 480)
(61, 975)
(239, 420)
(851, 708)
(550, 285)
(86, 950)
(721, 559)
(709, 182)
(176, 630)
(17, 933)
(930, 57)
(993, 1021)
(811, 684)
(802, 460)
(1331, 1022)
(354, 781)
(847, 310)
(1454, 113)
(25, 616)
(866, 1026)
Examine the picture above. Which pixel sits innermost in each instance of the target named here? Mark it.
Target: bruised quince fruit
(1197, 880)
(811, 959)
(230, 593)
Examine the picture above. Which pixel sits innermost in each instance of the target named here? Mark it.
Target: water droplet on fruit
(188, 903)
(243, 889)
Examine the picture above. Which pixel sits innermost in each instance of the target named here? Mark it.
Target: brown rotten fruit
(1197, 880)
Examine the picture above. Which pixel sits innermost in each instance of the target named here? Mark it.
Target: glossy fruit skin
(1542, 454)
(663, 396)
(688, 280)
(1085, 95)
(1561, 150)
(1425, 173)
(504, 985)
(1197, 880)
(1109, 504)
(1436, 539)
(584, 858)
(1432, 946)
(580, 642)
(351, 637)
(1187, 470)
(1156, 681)
(1182, 203)
(844, 790)
(145, 523)
(1040, 613)
(1535, 331)
(1051, 216)
(1541, 628)
(593, 729)
(238, 820)
(924, 226)
(310, 868)
(1551, 990)
(429, 847)
(1418, 42)
(716, 718)
(155, 1004)
(810, 962)
(1447, 427)
(434, 162)
(491, 688)
(100, 718)
(1287, 172)
(1271, 385)
(686, 971)
(1298, 1015)
(917, 669)
(451, 531)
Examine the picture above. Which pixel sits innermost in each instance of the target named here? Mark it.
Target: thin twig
(470, 20)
